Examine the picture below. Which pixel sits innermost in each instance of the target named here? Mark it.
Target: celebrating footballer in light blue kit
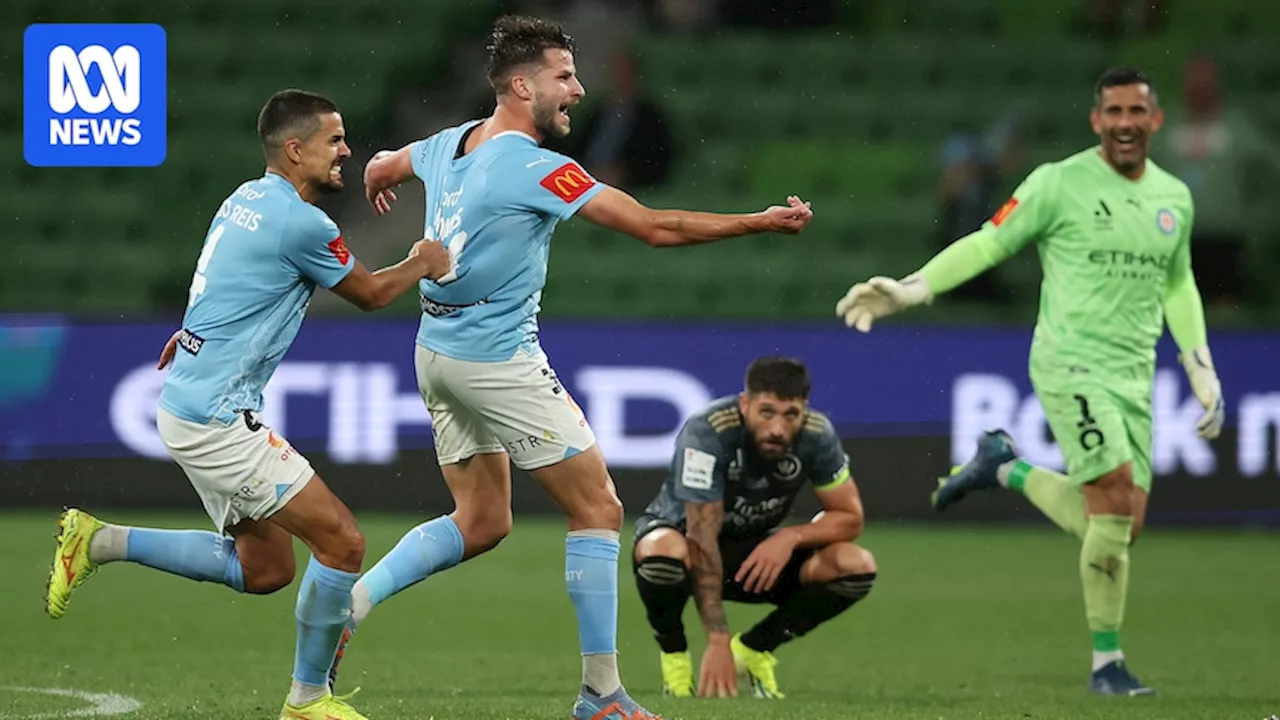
(265, 253)
(495, 210)
(494, 198)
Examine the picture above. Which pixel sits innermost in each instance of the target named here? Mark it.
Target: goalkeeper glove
(1207, 389)
(880, 296)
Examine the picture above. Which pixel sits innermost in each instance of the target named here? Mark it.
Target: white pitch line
(103, 704)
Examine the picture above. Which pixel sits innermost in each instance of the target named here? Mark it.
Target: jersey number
(198, 281)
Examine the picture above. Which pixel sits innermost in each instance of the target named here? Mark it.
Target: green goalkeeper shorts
(1099, 425)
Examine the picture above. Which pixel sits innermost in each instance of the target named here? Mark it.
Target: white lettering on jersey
(443, 229)
(240, 215)
(698, 468)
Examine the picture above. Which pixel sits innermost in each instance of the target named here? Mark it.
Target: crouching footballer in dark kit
(714, 532)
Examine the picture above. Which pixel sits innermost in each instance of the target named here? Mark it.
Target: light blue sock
(195, 554)
(324, 604)
(591, 572)
(425, 550)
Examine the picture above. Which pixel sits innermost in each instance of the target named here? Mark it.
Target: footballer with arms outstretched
(1113, 231)
(494, 196)
(714, 532)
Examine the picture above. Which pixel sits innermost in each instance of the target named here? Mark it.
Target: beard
(546, 118)
(770, 448)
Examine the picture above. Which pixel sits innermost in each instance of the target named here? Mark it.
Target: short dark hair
(291, 113)
(782, 376)
(518, 39)
(1119, 77)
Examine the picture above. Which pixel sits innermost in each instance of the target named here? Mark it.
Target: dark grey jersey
(715, 460)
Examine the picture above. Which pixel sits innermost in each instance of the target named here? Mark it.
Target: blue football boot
(1115, 679)
(995, 448)
(617, 706)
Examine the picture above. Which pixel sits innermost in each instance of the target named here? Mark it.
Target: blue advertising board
(347, 388)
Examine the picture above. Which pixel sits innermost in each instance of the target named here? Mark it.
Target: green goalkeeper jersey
(1109, 247)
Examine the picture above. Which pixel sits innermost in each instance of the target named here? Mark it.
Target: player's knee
(664, 542)
(484, 530)
(1113, 492)
(270, 578)
(344, 548)
(603, 510)
(854, 560)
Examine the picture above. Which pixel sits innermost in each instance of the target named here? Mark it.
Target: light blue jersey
(266, 251)
(495, 210)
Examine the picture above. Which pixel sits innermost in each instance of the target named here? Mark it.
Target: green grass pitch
(965, 622)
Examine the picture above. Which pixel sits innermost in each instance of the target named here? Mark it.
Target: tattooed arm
(703, 534)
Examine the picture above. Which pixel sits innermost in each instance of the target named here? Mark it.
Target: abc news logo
(94, 95)
(69, 89)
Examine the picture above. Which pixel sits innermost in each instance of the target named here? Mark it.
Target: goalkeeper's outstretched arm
(1027, 215)
(960, 262)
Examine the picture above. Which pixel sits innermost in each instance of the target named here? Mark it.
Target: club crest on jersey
(1166, 221)
(788, 468)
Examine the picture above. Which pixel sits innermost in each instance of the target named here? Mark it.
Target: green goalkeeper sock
(1104, 572)
(1053, 493)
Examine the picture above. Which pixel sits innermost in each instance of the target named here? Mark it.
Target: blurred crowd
(624, 135)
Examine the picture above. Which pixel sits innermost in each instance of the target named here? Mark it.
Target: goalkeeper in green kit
(1112, 230)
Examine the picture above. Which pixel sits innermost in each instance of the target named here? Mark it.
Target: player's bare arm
(373, 290)
(384, 171)
(717, 676)
(841, 519)
(616, 210)
(703, 535)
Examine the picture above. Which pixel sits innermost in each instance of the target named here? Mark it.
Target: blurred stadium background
(905, 122)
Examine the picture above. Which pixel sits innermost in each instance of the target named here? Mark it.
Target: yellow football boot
(71, 563)
(758, 668)
(328, 707)
(677, 674)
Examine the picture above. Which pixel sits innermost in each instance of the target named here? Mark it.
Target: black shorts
(733, 552)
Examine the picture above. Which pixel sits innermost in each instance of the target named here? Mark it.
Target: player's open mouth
(1125, 141)
(564, 112)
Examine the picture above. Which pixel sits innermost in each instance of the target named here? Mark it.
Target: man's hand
(763, 566)
(170, 349)
(1207, 389)
(717, 677)
(790, 218)
(881, 296)
(432, 258)
(380, 198)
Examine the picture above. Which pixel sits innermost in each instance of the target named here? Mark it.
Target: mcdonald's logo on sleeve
(568, 182)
